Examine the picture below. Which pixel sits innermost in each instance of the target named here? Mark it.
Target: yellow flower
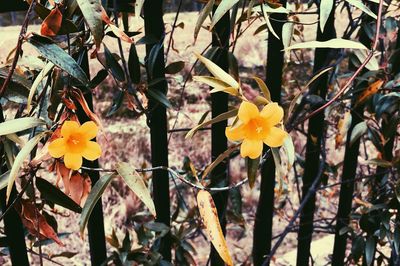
(75, 143)
(255, 128)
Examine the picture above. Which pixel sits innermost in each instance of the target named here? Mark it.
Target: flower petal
(57, 148)
(235, 133)
(276, 137)
(68, 128)
(89, 130)
(92, 151)
(251, 148)
(247, 111)
(73, 160)
(273, 113)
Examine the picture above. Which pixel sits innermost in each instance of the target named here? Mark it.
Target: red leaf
(52, 24)
(33, 220)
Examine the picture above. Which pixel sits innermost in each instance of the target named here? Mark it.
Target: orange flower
(255, 128)
(75, 143)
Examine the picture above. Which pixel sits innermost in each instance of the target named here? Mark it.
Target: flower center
(75, 143)
(255, 130)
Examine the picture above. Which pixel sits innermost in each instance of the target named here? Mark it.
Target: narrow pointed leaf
(212, 82)
(19, 124)
(325, 10)
(202, 17)
(252, 168)
(92, 10)
(359, 130)
(362, 7)
(218, 72)
(45, 71)
(136, 184)
(55, 195)
(19, 160)
(264, 88)
(58, 57)
(223, 7)
(216, 119)
(134, 65)
(334, 43)
(209, 216)
(94, 196)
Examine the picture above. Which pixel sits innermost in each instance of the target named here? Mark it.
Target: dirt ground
(127, 139)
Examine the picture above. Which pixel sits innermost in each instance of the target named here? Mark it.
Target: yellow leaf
(218, 72)
(209, 216)
(229, 90)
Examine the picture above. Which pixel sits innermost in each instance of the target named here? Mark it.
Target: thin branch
(310, 192)
(357, 72)
(175, 174)
(173, 28)
(18, 51)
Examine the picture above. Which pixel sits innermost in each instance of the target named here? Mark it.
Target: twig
(173, 29)
(18, 197)
(21, 37)
(126, 71)
(175, 174)
(310, 192)
(359, 69)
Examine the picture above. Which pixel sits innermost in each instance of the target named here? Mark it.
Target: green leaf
(136, 184)
(218, 72)
(277, 160)
(325, 10)
(268, 22)
(92, 10)
(333, 43)
(18, 88)
(134, 65)
(397, 190)
(21, 156)
(58, 57)
(290, 151)
(94, 196)
(55, 195)
(358, 130)
(223, 7)
(211, 81)
(138, 7)
(370, 249)
(252, 168)
(19, 124)
(252, 3)
(155, 52)
(202, 17)
(160, 97)
(216, 119)
(373, 63)
(362, 7)
(4, 179)
(379, 162)
(174, 67)
(357, 247)
(263, 87)
(45, 71)
(113, 65)
(287, 33)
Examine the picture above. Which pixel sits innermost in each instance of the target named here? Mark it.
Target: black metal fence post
(157, 118)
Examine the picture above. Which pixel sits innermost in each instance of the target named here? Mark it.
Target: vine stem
(175, 174)
(18, 50)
